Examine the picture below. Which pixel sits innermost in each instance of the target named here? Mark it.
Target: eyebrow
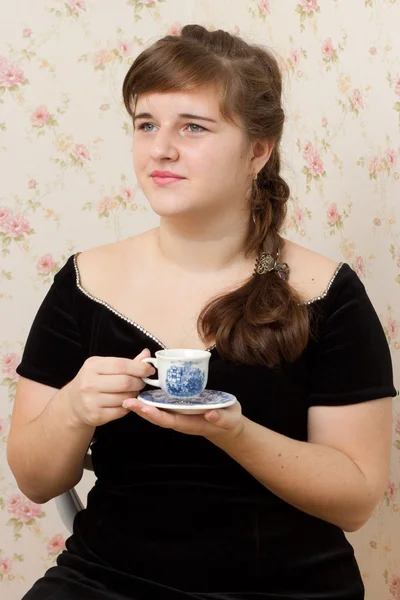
(146, 115)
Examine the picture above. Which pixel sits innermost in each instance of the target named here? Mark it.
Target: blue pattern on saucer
(206, 397)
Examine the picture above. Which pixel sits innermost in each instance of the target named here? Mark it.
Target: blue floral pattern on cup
(183, 380)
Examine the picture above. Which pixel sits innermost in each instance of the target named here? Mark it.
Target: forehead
(204, 101)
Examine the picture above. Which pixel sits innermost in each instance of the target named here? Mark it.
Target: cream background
(63, 172)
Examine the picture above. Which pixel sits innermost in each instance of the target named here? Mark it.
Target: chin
(173, 207)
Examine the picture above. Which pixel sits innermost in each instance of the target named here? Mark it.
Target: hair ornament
(267, 263)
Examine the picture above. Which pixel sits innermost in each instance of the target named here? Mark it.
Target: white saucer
(207, 400)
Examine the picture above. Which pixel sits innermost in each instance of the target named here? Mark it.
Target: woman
(246, 502)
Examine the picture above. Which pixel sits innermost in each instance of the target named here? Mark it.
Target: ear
(261, 151)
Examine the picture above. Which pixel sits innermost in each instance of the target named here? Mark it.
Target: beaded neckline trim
(150, 335)
(328, 287)
(116, 312)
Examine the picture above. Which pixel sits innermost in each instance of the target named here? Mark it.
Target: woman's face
(183, 133)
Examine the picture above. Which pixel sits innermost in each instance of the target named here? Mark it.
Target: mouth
(165, 179)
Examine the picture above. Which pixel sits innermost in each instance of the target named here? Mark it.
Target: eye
(197, 128)
(144, 126)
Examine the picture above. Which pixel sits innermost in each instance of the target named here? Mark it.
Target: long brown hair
(264, 321)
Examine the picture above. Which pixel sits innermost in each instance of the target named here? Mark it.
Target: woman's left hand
(224, 423)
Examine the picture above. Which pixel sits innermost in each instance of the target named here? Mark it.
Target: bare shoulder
(310, 272)
(100, 266)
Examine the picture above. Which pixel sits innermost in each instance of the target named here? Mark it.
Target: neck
(199, 248)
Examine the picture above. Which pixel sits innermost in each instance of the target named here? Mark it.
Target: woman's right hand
(97, 392)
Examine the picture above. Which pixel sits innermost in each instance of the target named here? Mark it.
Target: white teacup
(182, 373)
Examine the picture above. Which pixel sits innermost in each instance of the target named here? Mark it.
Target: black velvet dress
(171, 516)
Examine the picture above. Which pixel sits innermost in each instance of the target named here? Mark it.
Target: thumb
(144, 354)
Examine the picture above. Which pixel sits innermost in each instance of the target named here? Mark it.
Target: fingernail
(152, 371)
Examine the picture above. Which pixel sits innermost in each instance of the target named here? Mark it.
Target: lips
(165, 177)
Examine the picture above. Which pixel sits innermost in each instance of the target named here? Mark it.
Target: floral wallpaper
(67, 183)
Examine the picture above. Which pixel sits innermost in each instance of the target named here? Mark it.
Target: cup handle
(152, 361)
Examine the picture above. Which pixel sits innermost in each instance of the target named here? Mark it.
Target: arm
(51, 430)
(339, 475)
(45, 448)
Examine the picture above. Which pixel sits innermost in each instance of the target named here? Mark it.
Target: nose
(164, 147)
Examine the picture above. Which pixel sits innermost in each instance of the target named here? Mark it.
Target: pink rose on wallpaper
(124, 47)
(309, 5)
(81, 153)
(299, 216)
(391, 157)
(45, 265)
(5, 566)
(395, 587)
(101, 57)
(381, 166)
(327, 48)
(377, 222)
(393, 328)
(104, 107)
(9, 363)
(324, 121)
(27, 32)
(397, 86)
(10, 73)
(76, 5)
(56, 544)
(392, 491)
(397, 427)
(15, 503)
(5, 214)
(3, 426)
(16, 225)
(295, 57)
(29, 511)
(22, 508)
(264, 7)
(106, 204)
(127, 192)
(315, 164)
(372, 50)
(356, 99)
(359, 266)
(373, 165)
(40, 116)
(308, 150)
(333, 213)
(175, 29)
(32, 183)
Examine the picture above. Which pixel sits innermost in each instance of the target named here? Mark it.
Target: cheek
(217, 158)
(139, 161)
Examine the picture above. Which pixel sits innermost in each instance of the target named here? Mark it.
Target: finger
(189, 424)
(113, 365)
(213, 416)
(226, 419)
(114, 400)
(115, 384)
(151, 413)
